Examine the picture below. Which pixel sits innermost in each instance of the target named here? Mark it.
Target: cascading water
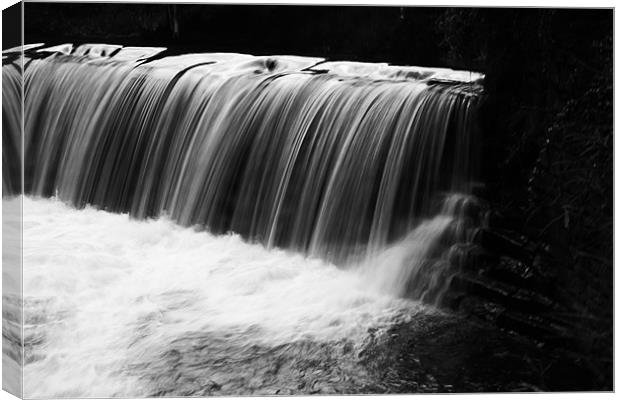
(266, 147)
(310, 162)
(11, 128)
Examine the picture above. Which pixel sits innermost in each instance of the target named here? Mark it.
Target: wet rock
(514, 297)
(566, 373)
(505, 243)
(497, 220)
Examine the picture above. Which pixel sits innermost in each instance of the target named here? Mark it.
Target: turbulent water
(227, 223)
(117, 307)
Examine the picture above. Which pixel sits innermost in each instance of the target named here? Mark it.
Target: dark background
(546, 121)
(400, 35)
(396, 34)
(12, 26)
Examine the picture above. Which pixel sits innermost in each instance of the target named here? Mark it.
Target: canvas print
(216, 200)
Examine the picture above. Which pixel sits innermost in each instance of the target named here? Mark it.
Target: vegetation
(548, 137)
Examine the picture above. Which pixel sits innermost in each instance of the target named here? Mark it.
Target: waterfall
(336, 160)
(11, 128)
(419, 265)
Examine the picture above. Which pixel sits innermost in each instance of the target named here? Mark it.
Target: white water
(104, 292)
(334, 160)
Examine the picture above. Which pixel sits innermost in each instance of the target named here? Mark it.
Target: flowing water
(323, 163)
(230, 224)
(110, 304)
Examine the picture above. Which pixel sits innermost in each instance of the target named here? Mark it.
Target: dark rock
(471, 257)
(504, 243)
(567, 373)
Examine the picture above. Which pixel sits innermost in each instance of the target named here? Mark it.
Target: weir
(338, 160)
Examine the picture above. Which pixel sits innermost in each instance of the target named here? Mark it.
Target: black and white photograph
(226, 199)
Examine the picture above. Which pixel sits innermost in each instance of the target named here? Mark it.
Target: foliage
(548, 137)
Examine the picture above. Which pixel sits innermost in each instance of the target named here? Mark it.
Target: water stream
(228, 223)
